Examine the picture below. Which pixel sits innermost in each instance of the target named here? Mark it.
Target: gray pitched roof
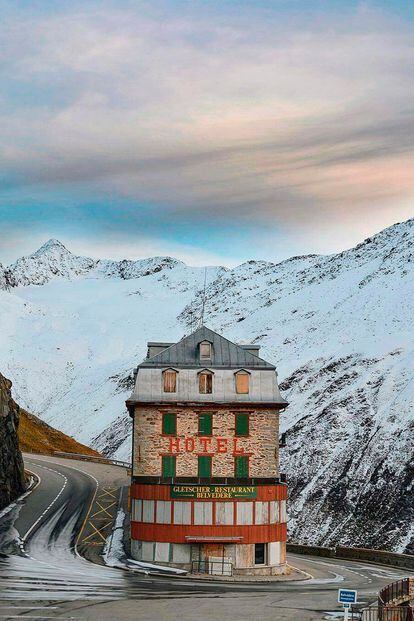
(226, 354)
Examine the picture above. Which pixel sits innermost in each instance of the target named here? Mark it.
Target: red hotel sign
(205, 445)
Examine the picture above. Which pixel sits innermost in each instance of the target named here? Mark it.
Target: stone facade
(12, 482)
(262, 444)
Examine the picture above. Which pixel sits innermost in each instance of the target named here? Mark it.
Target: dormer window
(205, 382)
(205, 350)
(169, 378)
(242, 379)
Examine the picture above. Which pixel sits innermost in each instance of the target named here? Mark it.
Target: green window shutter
(242, 424)
(204, 466)
(168, 465)
(169, 424)
(241, 466)
(205, 424)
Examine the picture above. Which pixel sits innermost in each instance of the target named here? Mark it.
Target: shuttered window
(283, 516)
(224, 513)
(182, 512)
(170, 381)
(261, 512)
(168, 465)
(242, 383)
(205, 351)
(164, 511)
(203, 513)
(274, 511)
(205, 383)
(244, 513)
(205, 424)
(169, 424)
(241, 466)
(204, 466)
(137, 510)
(148, 511)
(242, 424)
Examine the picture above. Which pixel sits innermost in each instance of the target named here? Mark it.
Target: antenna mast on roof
(203, 306)
(191, 318)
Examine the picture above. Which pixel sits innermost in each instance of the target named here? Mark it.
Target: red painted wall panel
(176, 533)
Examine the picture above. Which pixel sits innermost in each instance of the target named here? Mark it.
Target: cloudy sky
(214, 131)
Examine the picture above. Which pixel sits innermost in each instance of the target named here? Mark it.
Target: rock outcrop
(12, 480)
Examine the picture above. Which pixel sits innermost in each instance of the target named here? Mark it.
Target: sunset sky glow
(215, 132)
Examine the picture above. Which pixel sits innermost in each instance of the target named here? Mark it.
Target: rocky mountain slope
(36, 436)
(338, 327)
(12, 480)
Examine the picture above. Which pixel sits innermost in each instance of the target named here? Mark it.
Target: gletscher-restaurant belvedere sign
(213, 491)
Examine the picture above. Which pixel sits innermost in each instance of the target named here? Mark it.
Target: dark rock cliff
(12, 481)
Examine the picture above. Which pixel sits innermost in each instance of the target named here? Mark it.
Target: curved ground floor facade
(210, 528)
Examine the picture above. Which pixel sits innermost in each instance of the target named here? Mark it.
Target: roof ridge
(233, 356)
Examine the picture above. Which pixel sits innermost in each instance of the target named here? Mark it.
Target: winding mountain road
(43, 576)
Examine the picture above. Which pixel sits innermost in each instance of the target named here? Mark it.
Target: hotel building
(206, 492)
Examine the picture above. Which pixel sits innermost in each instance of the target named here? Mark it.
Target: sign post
(346, 597)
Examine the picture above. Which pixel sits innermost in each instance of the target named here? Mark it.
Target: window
(205, 383)
(164, 511)
(283, 516)
(241, 466)
(274, 511)
(203, 513)
(242, 382)
(162, 552)
(169, 424)
(205, 424)
(136, 510)
(244, 513)
(170, 380)
(262, 512)
(242, 424)
(260, 554)
(148, 510)
(224, 513)
(168, 465)
(182, 512)
(204, 466)
(205, 350)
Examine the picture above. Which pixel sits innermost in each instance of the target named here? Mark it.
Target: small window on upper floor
(205, 350)
(242, 382)
(205, 382)
(169, 379)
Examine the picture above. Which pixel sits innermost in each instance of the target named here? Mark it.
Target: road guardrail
(102, 460)
(380, 557)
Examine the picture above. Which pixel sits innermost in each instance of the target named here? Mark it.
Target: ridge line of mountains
(338, 327)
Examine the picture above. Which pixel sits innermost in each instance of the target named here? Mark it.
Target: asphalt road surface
(42, 575)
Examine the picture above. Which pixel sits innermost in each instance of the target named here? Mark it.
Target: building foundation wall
(240, 555)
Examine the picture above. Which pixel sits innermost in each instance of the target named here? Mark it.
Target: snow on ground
(114, 552)
(338, 327)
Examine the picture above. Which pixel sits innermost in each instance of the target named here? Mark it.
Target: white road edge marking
(82, 472)
(33, 526)
(9, 507)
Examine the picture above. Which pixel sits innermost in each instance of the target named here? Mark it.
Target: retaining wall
(380, 557)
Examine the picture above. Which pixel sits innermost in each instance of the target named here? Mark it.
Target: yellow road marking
(97, 531)
(103, 509)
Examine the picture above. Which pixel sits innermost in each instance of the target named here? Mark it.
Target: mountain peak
(51, 260)
(51, 244)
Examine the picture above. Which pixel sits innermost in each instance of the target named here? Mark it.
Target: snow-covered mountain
(339, 328)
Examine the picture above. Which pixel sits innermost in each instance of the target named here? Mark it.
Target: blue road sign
(347, 596)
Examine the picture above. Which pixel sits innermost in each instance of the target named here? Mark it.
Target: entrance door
(260, 554)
